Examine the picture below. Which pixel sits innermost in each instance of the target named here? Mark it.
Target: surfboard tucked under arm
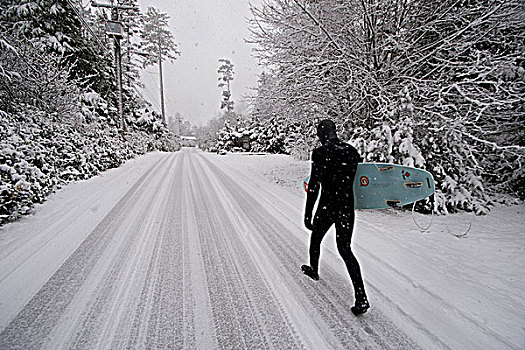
(381, 185)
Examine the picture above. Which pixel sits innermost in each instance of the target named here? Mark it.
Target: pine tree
(157, 40)
(225, 140)
(225, 77)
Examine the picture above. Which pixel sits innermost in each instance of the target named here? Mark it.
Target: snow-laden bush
(234, 136)
(271, 136)
(458, 179)
(40, 79)
(301, 138)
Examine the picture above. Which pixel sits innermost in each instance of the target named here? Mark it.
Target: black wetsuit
(333, 170)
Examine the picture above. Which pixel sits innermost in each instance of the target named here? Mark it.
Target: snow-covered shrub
(39, 79)
(271, 136)
(234, 136)
(430, 144)
(225, 138)
(301, 139)
(456, 170)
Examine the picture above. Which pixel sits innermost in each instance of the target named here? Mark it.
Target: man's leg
(344, 229)
(321, 225)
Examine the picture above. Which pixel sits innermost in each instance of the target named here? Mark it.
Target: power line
(150, 73)
(104, 49)
(146, 99)
(152, 76)
(151, 100)
(170, 106)
(87, 26)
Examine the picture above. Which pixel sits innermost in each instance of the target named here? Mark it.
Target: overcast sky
(205, 31)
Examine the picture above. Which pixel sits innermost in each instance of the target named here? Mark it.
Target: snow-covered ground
(458, 284)
(196, 250)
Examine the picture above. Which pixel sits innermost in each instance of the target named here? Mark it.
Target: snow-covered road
(186, 251)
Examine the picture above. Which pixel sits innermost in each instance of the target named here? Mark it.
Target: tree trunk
(161, 90)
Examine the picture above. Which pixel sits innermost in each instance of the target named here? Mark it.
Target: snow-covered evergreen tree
(272, 135)
(235, 136)
(159, 44)
(226, 73)
(225, 138)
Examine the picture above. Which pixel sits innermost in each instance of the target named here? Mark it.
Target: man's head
(326, 130)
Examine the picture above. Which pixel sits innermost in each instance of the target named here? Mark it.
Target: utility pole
(128, 56)
(118, 69)
(115, 29)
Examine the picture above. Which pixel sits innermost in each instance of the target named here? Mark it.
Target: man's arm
(314, 186)
(357, 156)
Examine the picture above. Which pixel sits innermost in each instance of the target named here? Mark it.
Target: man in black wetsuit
(333, 170)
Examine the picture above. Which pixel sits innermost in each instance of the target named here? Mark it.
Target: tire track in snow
(127, 328)
(331, 300)
(205, 336)
(29, 329)
(143, 309)
(245, 312)
(435, 338)
(232, 319)
(278, 318)
(170, 324)
(271, 278)
(160, 313)
(95, 329)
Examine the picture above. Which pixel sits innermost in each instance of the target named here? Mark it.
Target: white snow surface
(191, 250)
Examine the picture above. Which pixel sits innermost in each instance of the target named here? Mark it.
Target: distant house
(188, 141)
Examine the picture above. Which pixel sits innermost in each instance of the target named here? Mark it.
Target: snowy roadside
(441, 289)
(470, 267)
